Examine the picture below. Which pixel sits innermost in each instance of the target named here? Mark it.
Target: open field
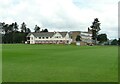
(60, 63)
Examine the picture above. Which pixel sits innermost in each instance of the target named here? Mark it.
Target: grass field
(60, 63)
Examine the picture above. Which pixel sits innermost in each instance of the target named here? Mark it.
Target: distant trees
(12, 35)
(16, 37)
(44, 30)
(114, 42)
(102, 38)
(37, 29)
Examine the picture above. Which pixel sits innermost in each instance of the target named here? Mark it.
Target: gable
(30, 35)
(57, 35)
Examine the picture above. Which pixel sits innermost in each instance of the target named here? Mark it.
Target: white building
(86, 37)
(49, 38)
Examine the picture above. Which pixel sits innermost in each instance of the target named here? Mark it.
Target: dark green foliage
(37, 28)
(44, 30)
(78, 38)
(28, 30)
(15, 26)
(23, 27)
(5, 28)
(10, 27)
(95, 28)
(102, 38)
(114, 42)
(14, 37)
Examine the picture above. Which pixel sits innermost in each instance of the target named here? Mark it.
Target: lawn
(59, 63)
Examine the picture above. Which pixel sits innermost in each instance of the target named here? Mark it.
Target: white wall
(32, 39)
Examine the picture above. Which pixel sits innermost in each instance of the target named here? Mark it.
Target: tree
(102, 38)
(12, 35)
(37, 28)
(78, 38)
(95, 29)
(44, 30)
(114, 42)
(15, 26)
(23, 27)
(28, 30)
(11, 27)
(5, 28)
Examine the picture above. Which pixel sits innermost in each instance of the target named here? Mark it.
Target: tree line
(17, 34)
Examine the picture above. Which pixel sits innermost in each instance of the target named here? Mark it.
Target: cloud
(62, 15)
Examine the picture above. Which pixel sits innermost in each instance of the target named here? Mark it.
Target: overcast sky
(62, 15)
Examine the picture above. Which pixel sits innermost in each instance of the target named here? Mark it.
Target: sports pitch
(59, 63)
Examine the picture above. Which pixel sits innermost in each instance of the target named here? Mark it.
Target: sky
(62, 15)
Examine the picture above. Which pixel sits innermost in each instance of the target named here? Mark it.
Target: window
(59, 36)
(43, 37)
(31, 38)
(28, 38)
(39, 37)
(56, 37)
(46, 37)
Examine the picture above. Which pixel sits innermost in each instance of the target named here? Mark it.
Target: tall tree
(23, 27)
(5, 28)
(11, 27)
(15, 26)
(95, 29)
(37, 28)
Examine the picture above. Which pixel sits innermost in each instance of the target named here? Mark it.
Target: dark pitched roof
(42, 34)
(46, 34)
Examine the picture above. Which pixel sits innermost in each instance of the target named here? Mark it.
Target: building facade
(59, 37)
(86, 38)
(49, 38)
